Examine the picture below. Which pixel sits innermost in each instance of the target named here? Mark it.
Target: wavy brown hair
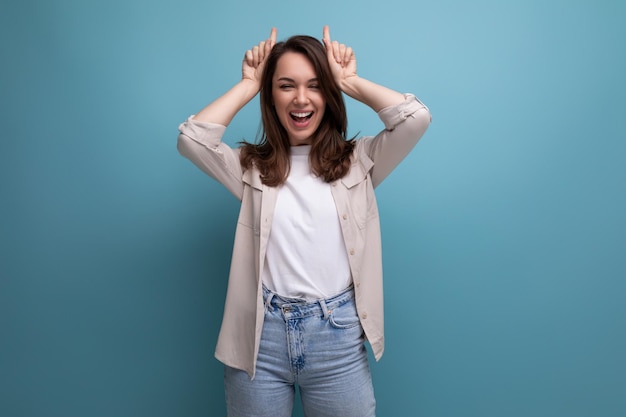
(330, 149)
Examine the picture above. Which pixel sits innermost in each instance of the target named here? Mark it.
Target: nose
(301, 96)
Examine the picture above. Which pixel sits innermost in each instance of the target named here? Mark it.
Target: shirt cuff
(394, 115)
(209, 134)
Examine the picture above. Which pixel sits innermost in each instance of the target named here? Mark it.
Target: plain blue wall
(504, 231)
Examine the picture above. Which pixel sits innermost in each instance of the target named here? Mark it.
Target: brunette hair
(330, 149)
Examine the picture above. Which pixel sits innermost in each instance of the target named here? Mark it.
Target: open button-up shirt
(374, 157)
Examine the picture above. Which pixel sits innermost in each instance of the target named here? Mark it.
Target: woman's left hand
(340, 58)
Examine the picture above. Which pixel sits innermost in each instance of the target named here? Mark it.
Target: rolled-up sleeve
(394, 115)
(405, 124)
(202, 143)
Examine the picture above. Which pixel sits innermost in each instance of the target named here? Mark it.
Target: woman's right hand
(254, 59)
(223, 109)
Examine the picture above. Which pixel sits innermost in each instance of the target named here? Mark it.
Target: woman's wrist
(350, 86)
(249, 87)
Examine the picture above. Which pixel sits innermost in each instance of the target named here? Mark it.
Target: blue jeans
(317, 346)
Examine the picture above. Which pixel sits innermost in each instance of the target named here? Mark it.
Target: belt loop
(268, 301)
(324, 308)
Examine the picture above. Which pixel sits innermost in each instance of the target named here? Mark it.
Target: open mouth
(301, 117)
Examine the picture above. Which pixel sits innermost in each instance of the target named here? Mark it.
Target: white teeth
(307, 114)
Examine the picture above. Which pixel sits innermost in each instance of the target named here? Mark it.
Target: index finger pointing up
(326, 32)
(272, 36)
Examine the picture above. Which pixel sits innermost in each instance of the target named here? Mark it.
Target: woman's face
(297, 98)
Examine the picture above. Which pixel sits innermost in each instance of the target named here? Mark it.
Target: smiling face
(297, 98)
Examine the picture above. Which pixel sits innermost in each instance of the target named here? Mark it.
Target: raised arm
(200, 137)
(405, 118)
(343, 65)
(223, 109)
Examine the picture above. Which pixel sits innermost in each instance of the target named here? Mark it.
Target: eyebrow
(293, 81)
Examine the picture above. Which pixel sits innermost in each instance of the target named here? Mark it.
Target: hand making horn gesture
(341, 59)
(254, 59)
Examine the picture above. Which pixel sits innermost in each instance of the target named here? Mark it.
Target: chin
(300, 141)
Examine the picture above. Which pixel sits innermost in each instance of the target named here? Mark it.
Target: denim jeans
(317, 346)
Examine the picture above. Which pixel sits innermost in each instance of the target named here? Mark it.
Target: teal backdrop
(504, 231)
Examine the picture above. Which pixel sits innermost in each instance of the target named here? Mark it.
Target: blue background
(504, 231)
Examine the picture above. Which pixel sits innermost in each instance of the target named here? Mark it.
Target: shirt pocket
(361, 198)
(250, 212)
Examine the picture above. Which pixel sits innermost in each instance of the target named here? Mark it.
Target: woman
(305, 286)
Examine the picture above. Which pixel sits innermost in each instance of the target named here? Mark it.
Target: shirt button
(357, 284)
(364, 316)
(345, 216)
(351, 251)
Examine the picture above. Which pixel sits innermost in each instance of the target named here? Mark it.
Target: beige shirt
(373, 159)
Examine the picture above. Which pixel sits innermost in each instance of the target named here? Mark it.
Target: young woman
(305, 286)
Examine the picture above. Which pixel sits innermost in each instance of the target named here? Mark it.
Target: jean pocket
(344, 317)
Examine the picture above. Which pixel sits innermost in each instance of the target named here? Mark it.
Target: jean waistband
(298, 307)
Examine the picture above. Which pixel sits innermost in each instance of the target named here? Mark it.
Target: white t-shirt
(306, 255)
